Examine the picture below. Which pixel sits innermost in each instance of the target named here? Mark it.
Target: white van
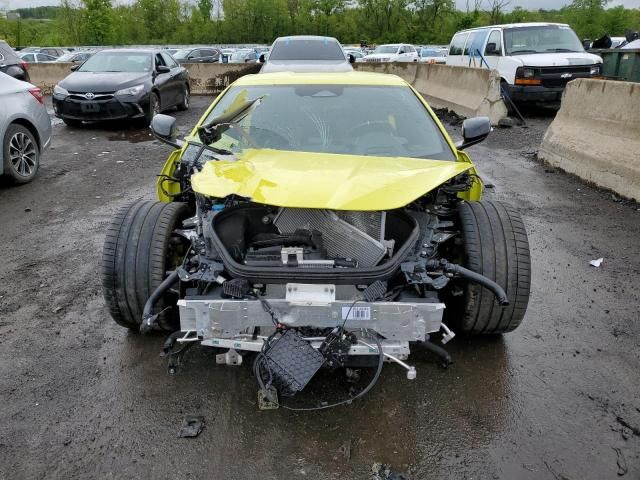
(535, 60)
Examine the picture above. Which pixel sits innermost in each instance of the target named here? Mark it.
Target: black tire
(504, 91)
(72, 123)
(153, 108)
(139, 250)
(496, 246)
(21, 154)
(185, 101)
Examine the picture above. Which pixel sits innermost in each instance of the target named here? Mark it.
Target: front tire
(495, 245)
(186, 98)
(140, 249)
(21, 154)
(153, 109)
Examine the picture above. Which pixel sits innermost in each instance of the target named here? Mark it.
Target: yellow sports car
(317, 220)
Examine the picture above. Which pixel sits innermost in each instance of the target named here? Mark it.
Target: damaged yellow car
(317, 220)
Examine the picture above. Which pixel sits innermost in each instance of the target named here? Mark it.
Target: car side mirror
(352, 58)
(162, 69)
(74, 67)
(262, 58)
(164, 129)
(492, 49)
(474, 130)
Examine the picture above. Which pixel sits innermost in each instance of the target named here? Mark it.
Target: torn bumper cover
(233, 323)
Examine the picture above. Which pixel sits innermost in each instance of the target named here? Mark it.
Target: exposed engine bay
(306, 288)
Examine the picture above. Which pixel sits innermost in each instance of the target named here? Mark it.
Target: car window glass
(118, 62)
(208, 53)
(43, 58)
(28, 58)
(306, 49)
(159, 60)
(496, 38)
(457, 43)
(195, 54)
(170, 62)
(385, 121)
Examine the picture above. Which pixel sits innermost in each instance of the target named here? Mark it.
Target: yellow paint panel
(319, 180)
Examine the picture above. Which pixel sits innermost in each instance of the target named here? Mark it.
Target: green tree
(97, 27)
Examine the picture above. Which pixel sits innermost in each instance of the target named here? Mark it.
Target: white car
(432, 55)
(25, 129)
(306, 53)
(396, 52)
(535, 60)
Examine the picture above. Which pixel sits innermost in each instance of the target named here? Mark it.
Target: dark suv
(197, 55)
(11, 64)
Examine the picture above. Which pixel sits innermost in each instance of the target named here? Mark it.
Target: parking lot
(82, 397)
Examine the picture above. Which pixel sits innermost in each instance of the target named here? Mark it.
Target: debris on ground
(597, 262)
(506, 122)
(382, 471)
(621, 462)
(191, 427)
(448, 116)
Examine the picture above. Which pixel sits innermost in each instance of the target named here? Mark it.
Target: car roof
(516, 25)
(315, 78)
(306, 37)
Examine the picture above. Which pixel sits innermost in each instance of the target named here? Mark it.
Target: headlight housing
(131, 91)
(528, 73)
(595, 70)
(60, 92)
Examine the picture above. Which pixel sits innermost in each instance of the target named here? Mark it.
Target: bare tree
(496, 7)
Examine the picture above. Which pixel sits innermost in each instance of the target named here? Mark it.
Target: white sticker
(356, 313)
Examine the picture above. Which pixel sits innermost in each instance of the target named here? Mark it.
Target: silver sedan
(25, 127)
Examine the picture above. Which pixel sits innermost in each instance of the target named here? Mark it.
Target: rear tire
(21, 154)
(184, 103)
(496, 246)
(139, 251)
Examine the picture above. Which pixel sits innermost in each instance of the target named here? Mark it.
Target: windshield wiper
(523, 51)
(561, 50)
(212, 131)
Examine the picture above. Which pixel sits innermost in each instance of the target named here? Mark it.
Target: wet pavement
(81, 397)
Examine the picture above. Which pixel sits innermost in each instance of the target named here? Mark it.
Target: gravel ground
(82, 398)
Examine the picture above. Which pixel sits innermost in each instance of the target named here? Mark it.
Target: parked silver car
(25, 127)
(306, 53)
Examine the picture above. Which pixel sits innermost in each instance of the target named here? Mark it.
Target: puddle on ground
(131, 136)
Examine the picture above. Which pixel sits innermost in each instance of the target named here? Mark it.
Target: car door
(177, 81)
(195, 56)
(162, 82)
(493, 50)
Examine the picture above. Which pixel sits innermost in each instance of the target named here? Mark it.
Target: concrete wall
(596, 135)
(467, 91)
(206, 78)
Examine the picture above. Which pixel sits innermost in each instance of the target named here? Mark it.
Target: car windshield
(306, 49)
(541, 39)
(386, 49)
(386, 121)
(118, 62)
(180, 54)
(429, 52)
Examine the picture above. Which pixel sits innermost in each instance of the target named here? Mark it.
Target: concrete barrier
(206, 78)
(467, 91)
(596, 135)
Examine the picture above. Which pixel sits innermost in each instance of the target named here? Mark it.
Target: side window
(208, 53)
(195, 54)
(470, 40)
(494, 44)
(457, 43)
(170, 62)
(410, 49)
(28, 58)
(42, 57)
(159, 60)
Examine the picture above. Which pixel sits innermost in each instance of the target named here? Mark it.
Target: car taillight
(37, 94)
(25, 65)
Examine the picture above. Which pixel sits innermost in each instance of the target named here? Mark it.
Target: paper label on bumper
(356, 313)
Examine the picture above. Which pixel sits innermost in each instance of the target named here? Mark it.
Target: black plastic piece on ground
(191, 427)
(292, 362)
(236, 288)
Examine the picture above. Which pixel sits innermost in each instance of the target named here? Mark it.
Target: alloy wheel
(23, 154)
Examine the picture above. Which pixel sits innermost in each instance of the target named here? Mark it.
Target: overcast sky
(530, 4)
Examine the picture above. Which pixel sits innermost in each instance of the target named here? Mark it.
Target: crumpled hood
(559, 59)
(320, 180)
